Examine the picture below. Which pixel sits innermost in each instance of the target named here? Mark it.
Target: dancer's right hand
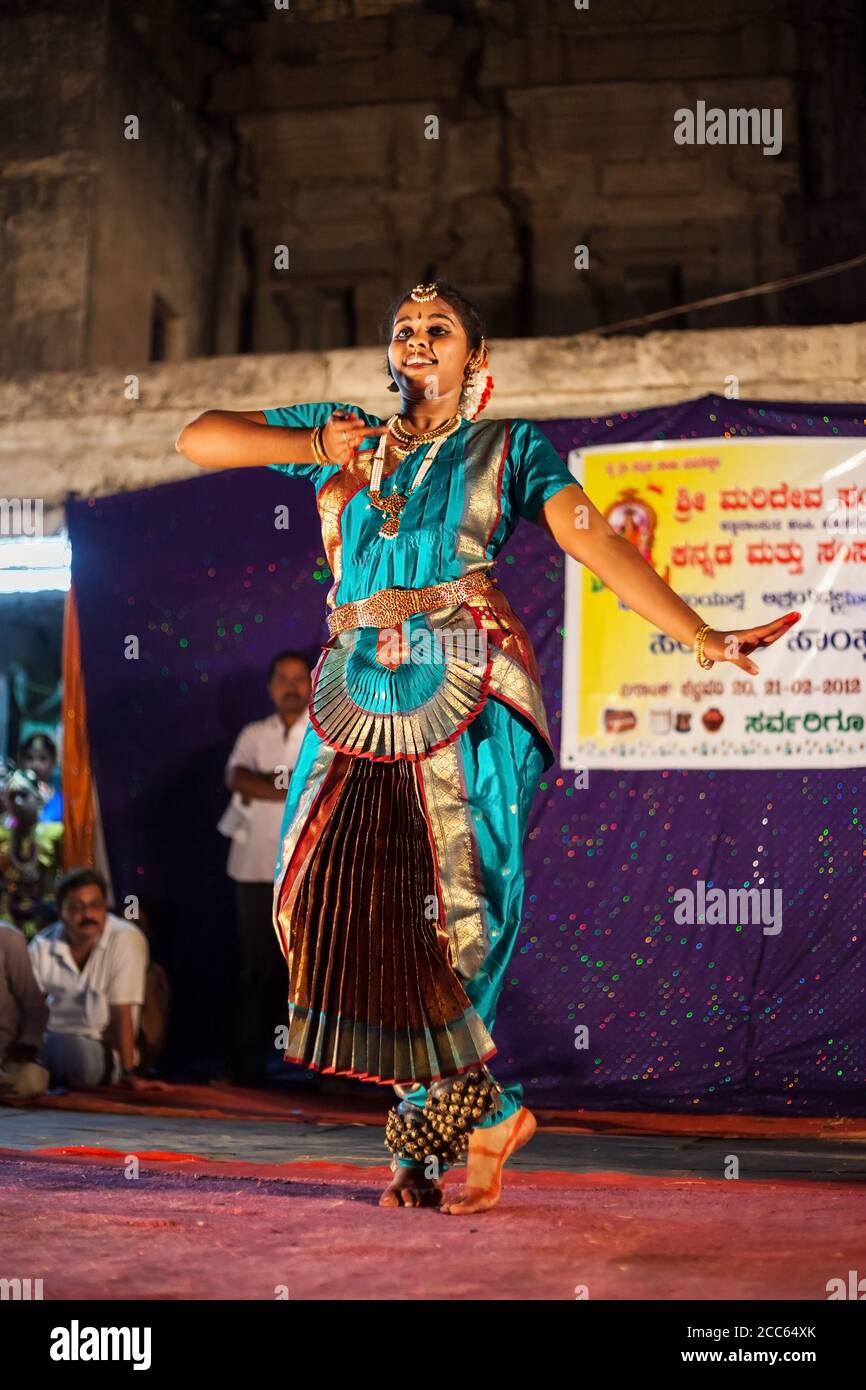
(343, 434)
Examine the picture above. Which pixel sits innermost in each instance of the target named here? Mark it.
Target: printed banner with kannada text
(744, 530)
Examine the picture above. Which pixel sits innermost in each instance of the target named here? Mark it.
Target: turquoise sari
(428, 763)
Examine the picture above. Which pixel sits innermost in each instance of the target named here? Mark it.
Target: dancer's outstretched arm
(244, 439)
(579, 528)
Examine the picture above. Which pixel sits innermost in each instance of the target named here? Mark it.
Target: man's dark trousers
(261, 999)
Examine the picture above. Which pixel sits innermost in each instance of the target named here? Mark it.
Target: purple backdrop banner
(700, 1018)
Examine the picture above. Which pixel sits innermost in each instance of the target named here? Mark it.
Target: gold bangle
(317, 447)
(700, 639)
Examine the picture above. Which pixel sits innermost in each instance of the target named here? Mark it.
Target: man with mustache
(91, 967)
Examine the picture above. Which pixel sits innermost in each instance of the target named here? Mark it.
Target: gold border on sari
(484, 454)
(331, 500)
(318, 772)
(448, 816)
(509, 680)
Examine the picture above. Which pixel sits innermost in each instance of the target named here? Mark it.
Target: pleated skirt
(372, 992)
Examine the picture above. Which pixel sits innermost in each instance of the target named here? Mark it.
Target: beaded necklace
(392, 505)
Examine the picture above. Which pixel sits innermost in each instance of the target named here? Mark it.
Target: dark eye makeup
(441, 327)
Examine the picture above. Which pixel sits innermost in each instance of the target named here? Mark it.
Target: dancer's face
(289, 687)
(428, 351)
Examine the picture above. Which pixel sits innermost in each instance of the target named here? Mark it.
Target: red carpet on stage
(235, 1103)
(184, 1222)
(192, 1231)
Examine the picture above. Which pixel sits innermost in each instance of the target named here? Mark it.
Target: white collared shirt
(115, 972)
(262, 746)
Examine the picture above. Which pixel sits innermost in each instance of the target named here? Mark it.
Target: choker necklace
(392, 505)
(404, 442)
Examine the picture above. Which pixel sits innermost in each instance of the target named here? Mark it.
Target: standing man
(257, 772)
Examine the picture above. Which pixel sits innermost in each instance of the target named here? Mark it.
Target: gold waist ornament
(390, 607)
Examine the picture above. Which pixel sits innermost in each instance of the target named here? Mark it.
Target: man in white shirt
(257, 772)
(91, 966)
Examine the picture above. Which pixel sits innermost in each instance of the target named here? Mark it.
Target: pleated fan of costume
(378, 695)
(372, 992)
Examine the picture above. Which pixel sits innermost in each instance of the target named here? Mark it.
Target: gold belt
(389, 607)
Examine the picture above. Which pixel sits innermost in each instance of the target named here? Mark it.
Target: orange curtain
(79, 821)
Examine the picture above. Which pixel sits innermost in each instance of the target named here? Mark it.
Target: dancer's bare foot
(410, 1188)
(489, 1147)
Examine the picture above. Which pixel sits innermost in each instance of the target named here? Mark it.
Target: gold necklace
(392, 504)
(404, 442)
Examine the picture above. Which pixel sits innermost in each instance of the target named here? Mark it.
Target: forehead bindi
(432, 314)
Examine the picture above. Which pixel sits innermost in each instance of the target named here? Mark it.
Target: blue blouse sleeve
(538, 472)
(305, 417)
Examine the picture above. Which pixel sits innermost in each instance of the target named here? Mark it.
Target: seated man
(92, 968)
(23, 1016)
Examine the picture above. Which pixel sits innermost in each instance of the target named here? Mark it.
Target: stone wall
(99, 229)
(166, 226)
(306, 127)
(49, 177)
(553, 128)
(64, 431)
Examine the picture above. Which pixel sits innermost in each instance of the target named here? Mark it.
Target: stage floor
(360, 1144)
(236, 1208)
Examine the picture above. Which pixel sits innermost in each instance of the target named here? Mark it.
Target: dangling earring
(477, 386)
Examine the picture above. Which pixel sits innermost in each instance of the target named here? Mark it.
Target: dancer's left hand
(736, 646)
